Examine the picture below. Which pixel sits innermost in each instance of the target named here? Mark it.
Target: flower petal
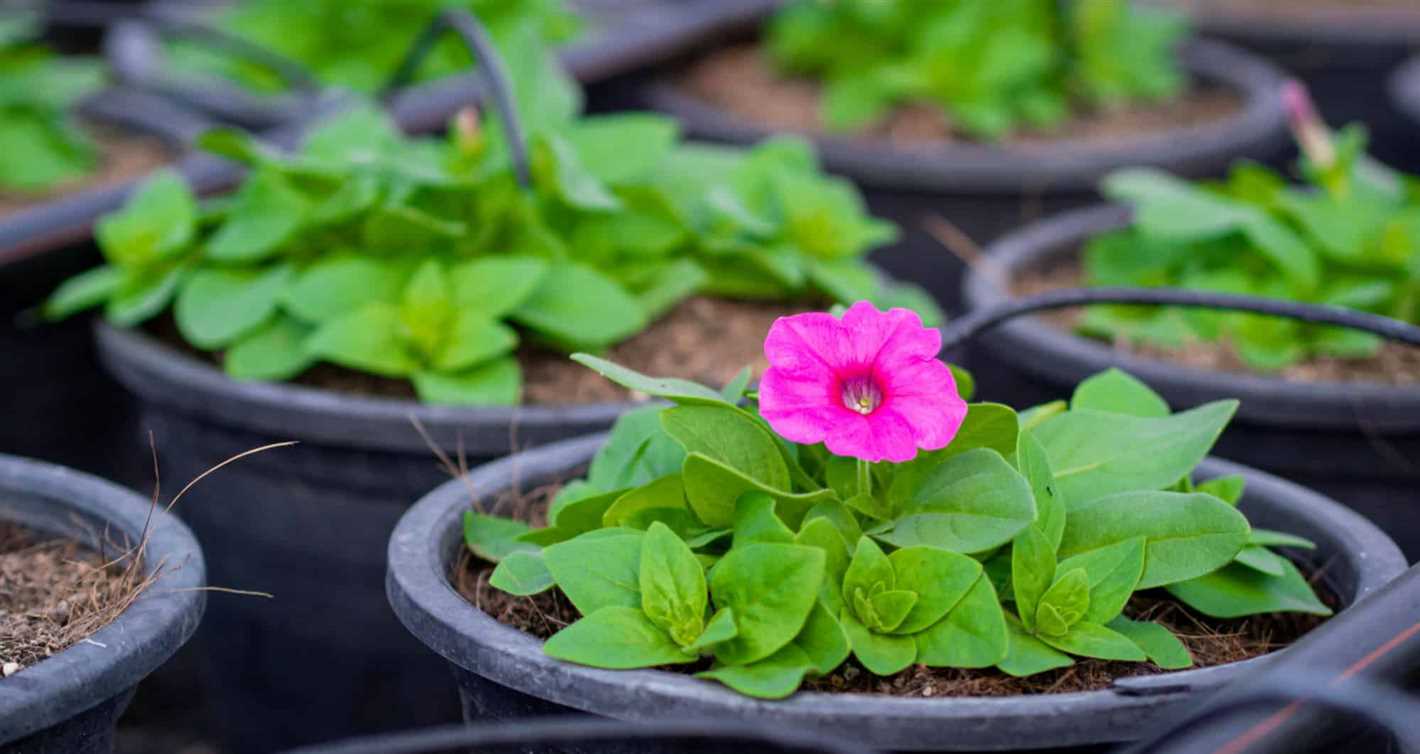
(880, 436)
(801, 405)
(887, 339)
(805, 341)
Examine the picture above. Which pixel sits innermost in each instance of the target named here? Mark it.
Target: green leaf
(366, 339)
(1162, 647)
(1186, 535)
(969, 503)
(1261, 559)
(496, 286)
(1112, 571)
(1236, 591)
(617, 148)
(494, 383)
(273, 351)
(731, 437)
(719, 630)
(665, 493)
(1064, 604)
(940, 579)
(1028, 655)
(881, 654)
(617, 638)
(1032, 572)
(823, 534)
(712, 488)
(987, 425)
(156, 223)
(870, 572)
(575, 306)
(338, 284)
(754, 521)
(973, 635)
(1228, 488)
(771, 588)
(474, 339)
(637, 452)
(1118, 392)
(598, 571)
(83, 291)
(557, 167)
(1095, 453)
(673, 590)
(824, 640)
(774, 677)
(1093, 640)
(266, 214)
(679, 391)
(1050, 506)
(1270, 538)
(142, 295)
(522, 573)
(216, 307)
(493, 538)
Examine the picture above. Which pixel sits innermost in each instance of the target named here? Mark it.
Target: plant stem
(865, 478)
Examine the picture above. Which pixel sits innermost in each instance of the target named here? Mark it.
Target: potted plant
(981, 116)
(278, 58)
(98, 588)
(1332, 409)
(373, 294)
(1343, 51)
(747, 545)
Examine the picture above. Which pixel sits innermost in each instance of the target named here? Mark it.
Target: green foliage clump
(699, 533)
(359, 45)
(991, 65)
(40, 142)
(424, 259)
(1349, 236)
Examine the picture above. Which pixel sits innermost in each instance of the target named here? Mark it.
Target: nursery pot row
(68, 703)
(1358, 443)
(984, 190)
(502, 672)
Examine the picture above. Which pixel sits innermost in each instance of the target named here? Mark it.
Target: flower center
(862, 394)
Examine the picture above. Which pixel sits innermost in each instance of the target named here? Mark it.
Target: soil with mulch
(742, 80)
(55, 593)
(708, 340)
(1394, 364)
(1211, 641)
(122, 156)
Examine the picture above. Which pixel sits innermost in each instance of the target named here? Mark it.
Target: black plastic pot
(1405, 97)
(1357, 443)
(986, 190)
(502, 672)
(599, 737)
(68, 703)
(1343, 53)
(1353, 666)
(325, 658)
(621, 36)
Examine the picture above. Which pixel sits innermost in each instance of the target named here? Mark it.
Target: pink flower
(867, 386)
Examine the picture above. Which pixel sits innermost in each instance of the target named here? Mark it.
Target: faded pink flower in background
(868, 385)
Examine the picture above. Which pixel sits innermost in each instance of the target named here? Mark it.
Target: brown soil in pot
(744, 81)
(55, 593)
(1395, 364)
(1211, 641)
(704, 339)
(123, 156)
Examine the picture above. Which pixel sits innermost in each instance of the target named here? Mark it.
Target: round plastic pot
(68, 703)
(1358, 443)
(985, 190)
(1343, 53)
(324, 659)
(502, 672)
(1405, 96)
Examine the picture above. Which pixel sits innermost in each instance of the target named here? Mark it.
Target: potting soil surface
(121, 157)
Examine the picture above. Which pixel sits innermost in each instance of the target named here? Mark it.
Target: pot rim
(118, 656)
(1341, 24)
(1259, 129)
(1404, 89)
(165, 376)
(1047, 352)
(429, 534)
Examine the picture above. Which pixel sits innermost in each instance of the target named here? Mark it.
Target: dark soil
(704, 339)
(1210, 640)
(54, 593)
(1395, 364)
(743, 81)
(122, 157)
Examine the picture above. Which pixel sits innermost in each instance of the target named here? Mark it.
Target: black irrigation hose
(581, 730)
(1382, 705)
(474, 35)
(76, 12)
(973, 323)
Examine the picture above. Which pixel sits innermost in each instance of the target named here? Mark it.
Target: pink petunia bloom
(868, 386)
